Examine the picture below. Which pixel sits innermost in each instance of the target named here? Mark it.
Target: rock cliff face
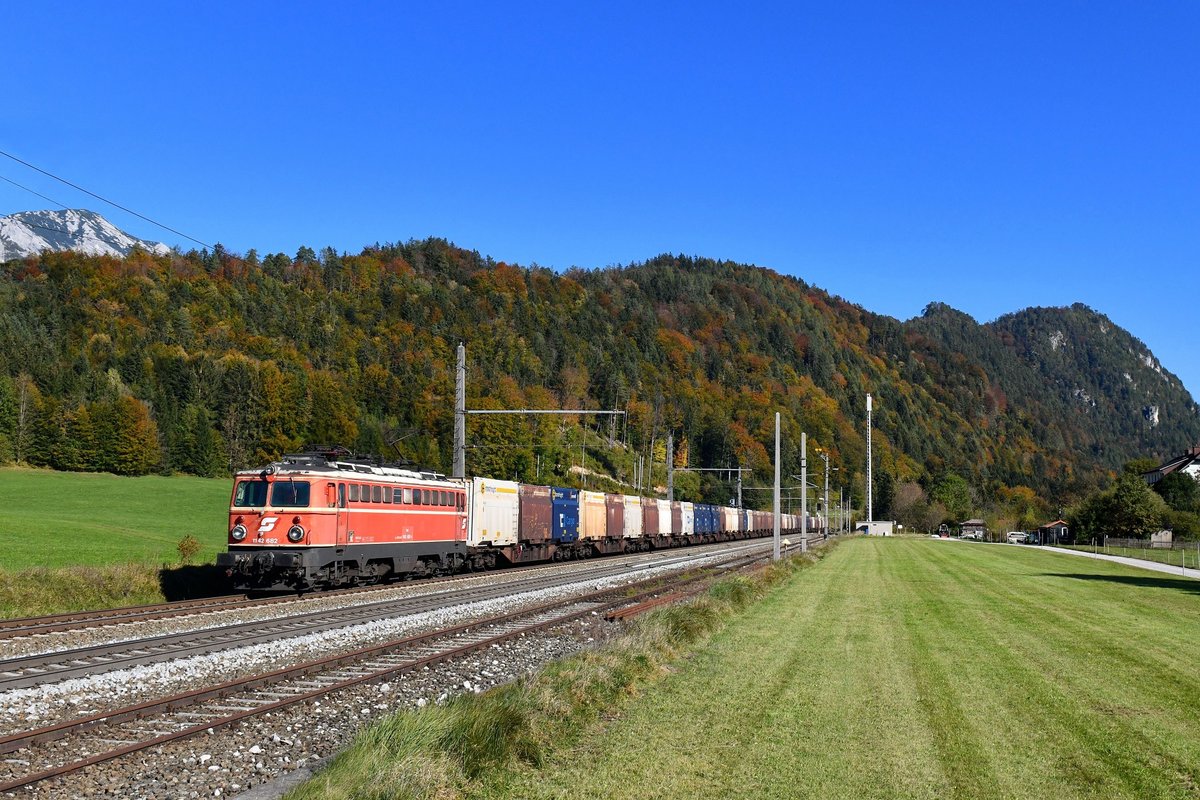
(32, 232)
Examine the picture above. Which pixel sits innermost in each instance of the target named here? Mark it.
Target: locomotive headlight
(295, 533)
(238, 533)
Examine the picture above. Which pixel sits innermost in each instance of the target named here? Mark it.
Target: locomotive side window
(353, 492)
(445, 498)
(377, 494)
(250, 493)
(387, 495)
(341, 495)
(292, 494)
(408, 496)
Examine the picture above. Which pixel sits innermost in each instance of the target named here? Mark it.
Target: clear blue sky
(991, 156)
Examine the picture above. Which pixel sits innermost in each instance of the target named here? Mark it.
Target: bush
(188, 547)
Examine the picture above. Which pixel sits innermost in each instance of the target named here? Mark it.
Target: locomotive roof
(320, 464)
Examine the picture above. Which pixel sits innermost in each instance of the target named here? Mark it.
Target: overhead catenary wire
(102, 199)
(31, 191)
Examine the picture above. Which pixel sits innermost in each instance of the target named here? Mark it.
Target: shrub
(188, 547)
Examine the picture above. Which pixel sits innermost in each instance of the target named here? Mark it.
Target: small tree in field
(188, 547)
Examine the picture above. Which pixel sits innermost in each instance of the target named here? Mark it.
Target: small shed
(974, 528)
(1055, 532)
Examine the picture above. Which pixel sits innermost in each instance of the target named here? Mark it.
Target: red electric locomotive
(322, 519)
(312, 521)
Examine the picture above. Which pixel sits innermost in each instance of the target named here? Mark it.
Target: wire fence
(1176, 554)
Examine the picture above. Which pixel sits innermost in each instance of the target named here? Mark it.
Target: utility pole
(670, 466)
(870, 510)
(776, 551)
(459, 464)
(803, 492)
(825, 506)
(460, 414)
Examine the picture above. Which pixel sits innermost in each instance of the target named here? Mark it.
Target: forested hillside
(205, 362)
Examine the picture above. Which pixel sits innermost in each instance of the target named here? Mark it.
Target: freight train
(323, 519)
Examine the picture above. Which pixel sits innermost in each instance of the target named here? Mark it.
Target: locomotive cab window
(291, 494)
(250, 494)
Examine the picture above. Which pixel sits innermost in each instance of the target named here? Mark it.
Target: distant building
(974, 528)
(1188, 463)
(1162, 539)
(1054, 532)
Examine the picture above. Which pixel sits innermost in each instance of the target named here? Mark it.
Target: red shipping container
(534, 525)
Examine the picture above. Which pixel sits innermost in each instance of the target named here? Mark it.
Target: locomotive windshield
(293, 494)
(288, 494)
(250, 493)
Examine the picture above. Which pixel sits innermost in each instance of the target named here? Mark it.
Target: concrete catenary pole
(825, 505)
(776, 551)
(803, 492)
(460, 414)
(670, 467)
(870, 509)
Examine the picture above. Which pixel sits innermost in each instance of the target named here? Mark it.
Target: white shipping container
(664, 517)
(633, 516)
(495, 510)
(689, 518)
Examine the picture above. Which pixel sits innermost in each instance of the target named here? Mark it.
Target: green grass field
(58, 519)
(914, 669)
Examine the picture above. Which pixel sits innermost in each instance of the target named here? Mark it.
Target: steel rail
(583, 606)
(78, 620)
(42, 668)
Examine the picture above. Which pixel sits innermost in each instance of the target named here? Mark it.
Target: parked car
(1018, 537)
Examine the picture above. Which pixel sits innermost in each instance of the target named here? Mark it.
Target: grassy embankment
(73, 541)
(892, 669)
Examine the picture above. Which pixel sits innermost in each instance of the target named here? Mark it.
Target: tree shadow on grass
(1183, 584)
(189, 582)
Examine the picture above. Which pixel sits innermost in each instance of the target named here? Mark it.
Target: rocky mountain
(32, 232)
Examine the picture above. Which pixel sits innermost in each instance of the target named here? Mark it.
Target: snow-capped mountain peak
(31, 232)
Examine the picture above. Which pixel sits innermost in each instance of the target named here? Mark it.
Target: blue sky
(991, 156)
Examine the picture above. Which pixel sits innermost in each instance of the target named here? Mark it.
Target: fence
(1177, 554)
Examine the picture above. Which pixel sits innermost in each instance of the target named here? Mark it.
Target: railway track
(44, 668)
(98, 738)
(89, 620)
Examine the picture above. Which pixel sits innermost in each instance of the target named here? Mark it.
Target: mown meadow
(71, 540)
(889, 669)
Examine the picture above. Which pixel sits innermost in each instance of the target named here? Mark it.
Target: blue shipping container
(564, 526)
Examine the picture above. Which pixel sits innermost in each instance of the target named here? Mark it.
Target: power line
(31, 191)
(103, 199)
